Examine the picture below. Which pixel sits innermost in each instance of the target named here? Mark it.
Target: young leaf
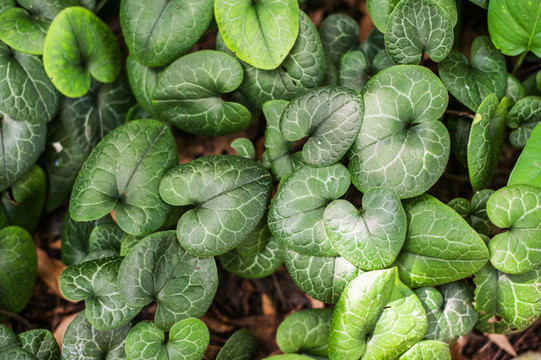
(402, 144)
(523, 117)
(244, 147)
(240, 346)
(518, 209)
(416, 27)
(296, 212)
(306, 331)
(372, 238)
(476, 213)
(18, 268)
(449, 311)
(487, 135)
(79, 47)
(428, 350)
(123, 173)
(41, 343)
(330, 117)
(188, 339)
(229, 194)
(353, 70)
(261, 33)
(323, 278)
(188, 94)
(527, 169)
(26, 93)
(83, 341)
(159, 269)
(23, 32)
(159, 34)
(485, 75)
(376, 317)
(514, 26)
(440, 246)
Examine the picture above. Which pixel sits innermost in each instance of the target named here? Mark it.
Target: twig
(460, 113)
(17, 317)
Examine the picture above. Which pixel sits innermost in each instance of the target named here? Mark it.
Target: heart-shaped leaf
(416, 27)
(296, 212)
(471, 84)
(506, 303)
(25, 91)
(22, 206)
(353, 70)
(244, 147)
(188, 94)
(105, 237)
(83, 341)
(372, 238)
(8, 338)
(48, 9)
(323, 278)
(79, 47)
(306, 331)
(240, 346)
(440, 246)
(15, 353)
(41, 343)
(514, 90)
(159, 269)
(264, 33)
(95, 282)
(188, 340)
(21, 143)
(428, 349)
(523, 117)
(476, 213)
(159, 34)
(23, 32)
(527, 169)
(376, 317)
(330, 117)
(18, 268)
(514, 26)
(487, 135)
(229, 194)
(402, 144)
(143, 80)
(518, 209)
(123, 173)
(449, 311)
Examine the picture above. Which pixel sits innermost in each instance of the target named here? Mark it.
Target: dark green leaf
(481, 3)
(515, 90)
(105, 237)
(142, 81)
(527, 169)
(8, 338)
(476, 213)
(15, 353)
(23, 32)
(459, 129)
(244, 147)
(353, 70)
(41, 343)
(240, 346)
(523, 117)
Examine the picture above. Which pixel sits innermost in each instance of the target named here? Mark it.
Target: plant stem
(17, 317)
(519, 61)
(460, 113)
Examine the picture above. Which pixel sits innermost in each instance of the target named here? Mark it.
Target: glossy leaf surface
(523, 117)
(22, 32)
(41, 343)
(527, 169)
(428, 350)
(123, 173)
(402, 145)
(229, 194)
(240, 346)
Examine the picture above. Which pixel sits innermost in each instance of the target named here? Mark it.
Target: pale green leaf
(527, 169)
(23, 32)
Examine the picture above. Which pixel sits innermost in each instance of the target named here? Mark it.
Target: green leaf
(261, 33)
(459, 129)
(105, 237)
(255, 266)
(288, 357)
(372, 46)
(8, 338)
(506, 303)
(142, 80)
(96, 282)
(296, 212)
(128, 242)
(518, 209)
(487, 135)
(481, 3)
(22, 206)
(514, 26)
(137, 112)
(41, 343)
(369, 239)
(240, 346)
(485, 75)
(82, 341)
(15, 353)
(379, 11)
(159, 269)
(47, 9)
(416, 27)
(188, 339)
(353, 70)
(449, 311)
(523, 117)
(230, 195)
(330, 117)
(123, 173)
(159, 34)
(527, 169)
(323, 278)
(79, 47)
(476, 213)
(376, 317)
(514, 91)
(402, 145)
(188, 94)
(256, 241)
(18, 268)
(25, 91)
(428, 350)
(6, 4)
(244, 147)
(306, 331)
(21, 143)
(440, 246)
(23, 32)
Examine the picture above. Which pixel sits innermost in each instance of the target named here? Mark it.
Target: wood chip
(49, 270)
(503, 343)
